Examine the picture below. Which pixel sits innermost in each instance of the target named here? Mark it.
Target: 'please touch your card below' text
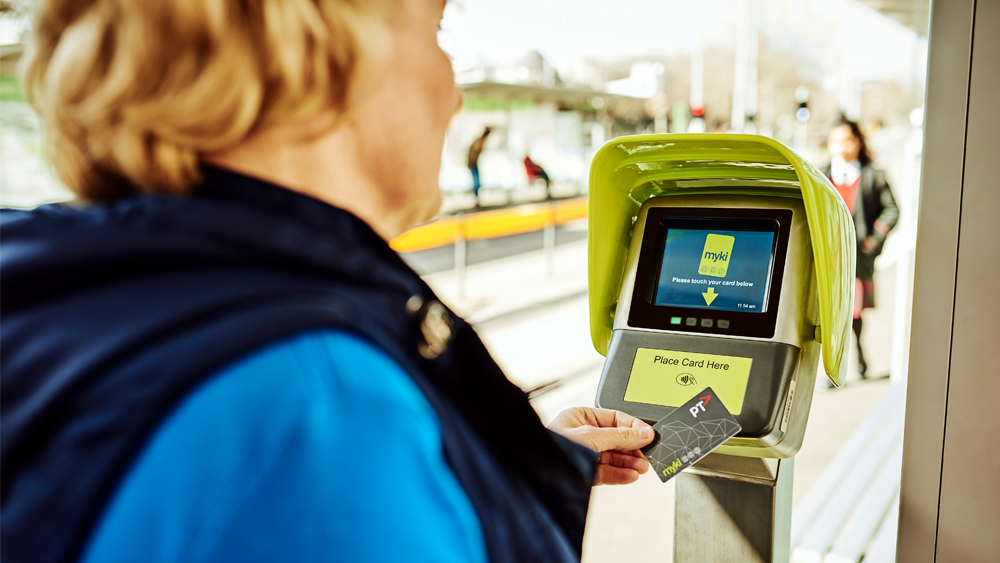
(712, 282)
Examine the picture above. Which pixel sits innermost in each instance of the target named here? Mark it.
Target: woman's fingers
(625, 460)
(611, 475)
(608, 418)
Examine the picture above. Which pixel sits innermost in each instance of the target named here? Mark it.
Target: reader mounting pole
(740, 517)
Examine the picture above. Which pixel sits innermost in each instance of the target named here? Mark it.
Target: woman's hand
(869, 244)
(616, 435)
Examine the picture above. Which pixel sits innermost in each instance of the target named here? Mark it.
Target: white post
(751, 104)
(461, 256)
(739, 111)
(697, 124)
(908, 195)
(549, 239)
(902, 312)
(850, 94)
(660, 124)
(508, 127)
(698, 73)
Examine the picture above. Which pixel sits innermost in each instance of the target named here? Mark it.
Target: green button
(675, 320)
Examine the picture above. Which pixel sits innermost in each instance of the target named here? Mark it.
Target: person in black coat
(869, 199)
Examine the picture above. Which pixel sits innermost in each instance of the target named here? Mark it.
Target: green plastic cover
(627, 171)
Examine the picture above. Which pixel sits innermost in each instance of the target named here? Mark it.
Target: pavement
(533, 316)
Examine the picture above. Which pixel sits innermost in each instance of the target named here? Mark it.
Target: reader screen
(729, 270)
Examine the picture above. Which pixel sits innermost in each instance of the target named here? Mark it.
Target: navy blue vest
(113, 313)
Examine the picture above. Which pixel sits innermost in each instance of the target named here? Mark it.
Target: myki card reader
(704, 273)
(716, 293)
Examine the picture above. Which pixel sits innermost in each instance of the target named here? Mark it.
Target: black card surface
(689, 433)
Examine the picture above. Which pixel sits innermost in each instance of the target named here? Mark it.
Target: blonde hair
(131, 92)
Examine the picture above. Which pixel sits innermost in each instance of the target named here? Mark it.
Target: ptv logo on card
(700, 406)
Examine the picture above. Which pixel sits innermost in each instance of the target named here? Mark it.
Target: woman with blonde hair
(214, 355)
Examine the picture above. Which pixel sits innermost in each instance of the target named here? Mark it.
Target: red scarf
(849, 192)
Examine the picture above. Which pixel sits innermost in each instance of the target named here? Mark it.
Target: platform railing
(461, 228)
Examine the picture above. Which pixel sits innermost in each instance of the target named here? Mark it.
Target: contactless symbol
(686, 379)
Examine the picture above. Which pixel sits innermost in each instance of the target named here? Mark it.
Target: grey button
(723, 323)
(691, 321)
(707, 323)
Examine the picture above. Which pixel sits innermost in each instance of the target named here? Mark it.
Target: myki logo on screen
(715, 257)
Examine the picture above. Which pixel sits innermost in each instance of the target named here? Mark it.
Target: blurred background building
(579, 73)
(558, 79)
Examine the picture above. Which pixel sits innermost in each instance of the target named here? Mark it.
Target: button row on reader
(707, 323)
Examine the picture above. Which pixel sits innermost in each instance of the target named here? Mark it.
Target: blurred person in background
(476, 149)
(214, 355)
(869, 199)
(536, 172)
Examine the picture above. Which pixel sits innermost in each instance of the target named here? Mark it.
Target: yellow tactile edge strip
(490, 224)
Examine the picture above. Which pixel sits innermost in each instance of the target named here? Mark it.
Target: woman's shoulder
(285, 431)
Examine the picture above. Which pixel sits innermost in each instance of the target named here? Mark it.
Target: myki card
(689, 433)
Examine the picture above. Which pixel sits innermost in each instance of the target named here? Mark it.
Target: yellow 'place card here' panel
(670, 378)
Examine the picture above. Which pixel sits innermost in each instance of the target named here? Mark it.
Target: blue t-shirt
(318, 447)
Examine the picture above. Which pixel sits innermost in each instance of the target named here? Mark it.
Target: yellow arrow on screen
(710, 295)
